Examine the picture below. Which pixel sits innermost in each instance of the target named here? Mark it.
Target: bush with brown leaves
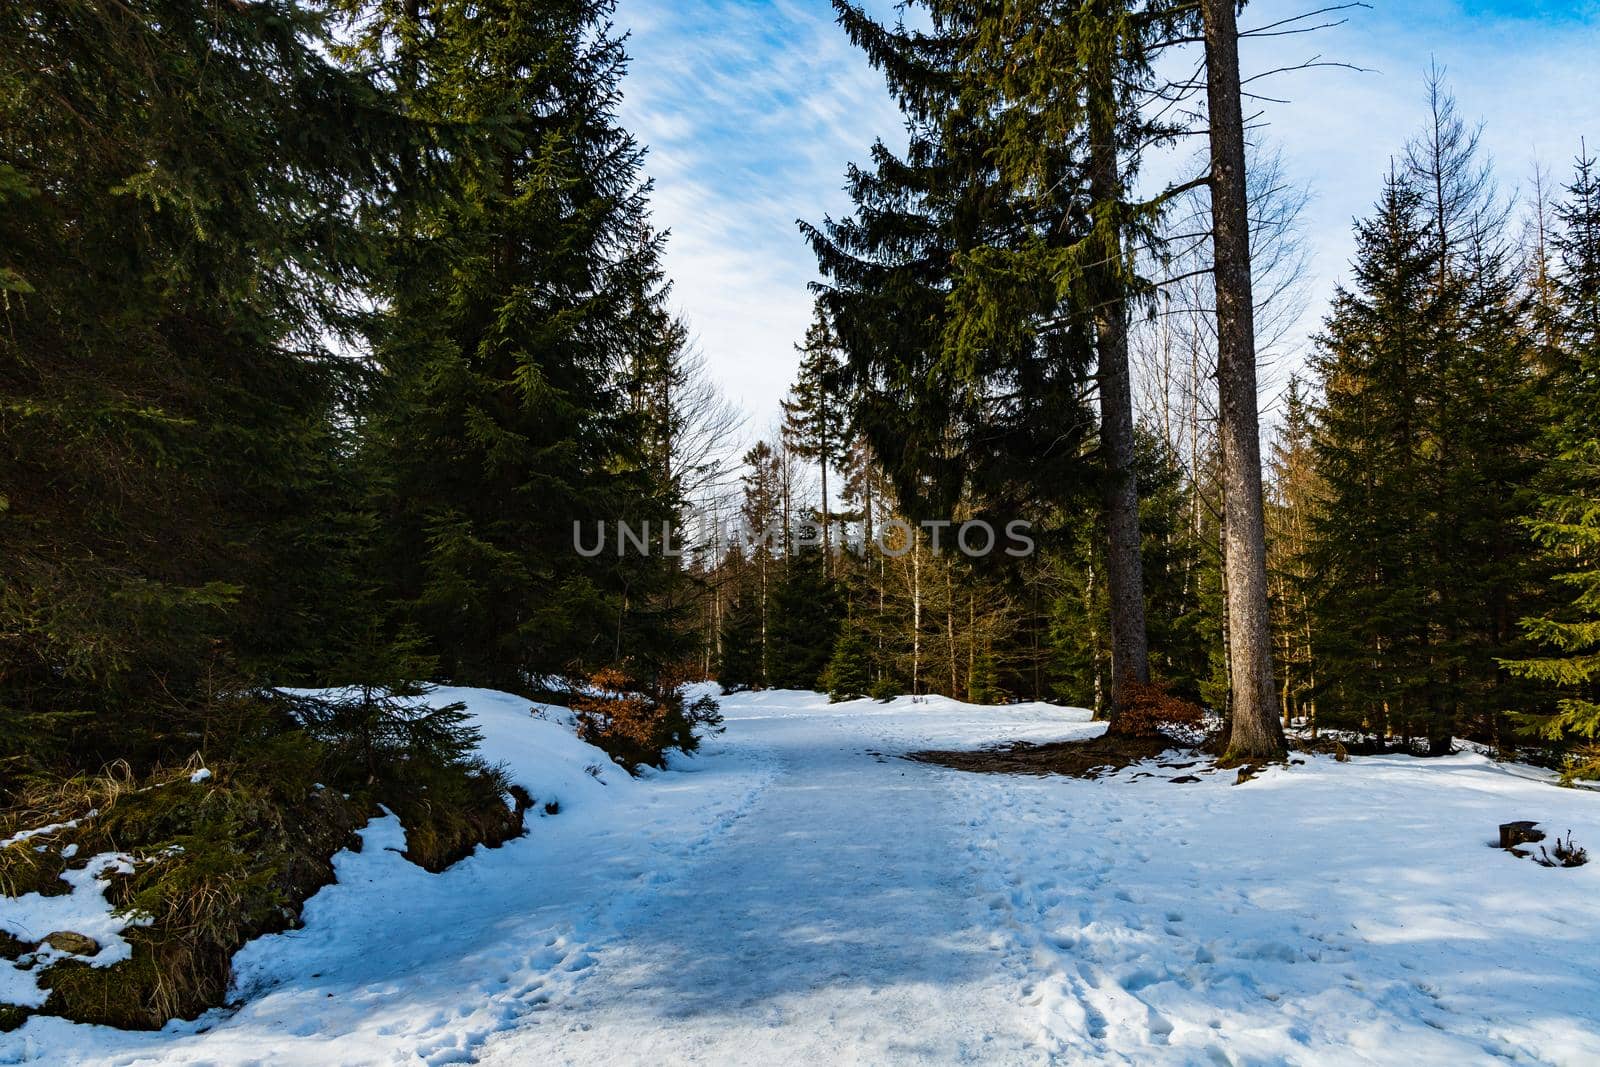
(636, 723)
(1147, 707)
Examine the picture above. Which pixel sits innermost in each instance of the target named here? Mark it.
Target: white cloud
(751, 112)
(1530, 77)
(752, 108)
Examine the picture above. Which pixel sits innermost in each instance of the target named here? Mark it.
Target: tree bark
(950, 633)
(1130, 651)
(916, 616)
(1255, 732)
(827, 521)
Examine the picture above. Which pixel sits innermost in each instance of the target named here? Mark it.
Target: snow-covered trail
(796, 893)
(836, 922)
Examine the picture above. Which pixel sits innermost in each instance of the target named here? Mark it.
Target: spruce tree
(848, 675)
(522, 292)
(178, 246)
(1372, 529)
(1293, 497)
(1005, 235)
(805, 616)
(760, 512)
(966, 379)
(739, 666)
(1567, 523)
(816, 420)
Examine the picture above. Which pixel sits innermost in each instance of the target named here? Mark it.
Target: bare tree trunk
(1130, 651)
(1256, 732)
(972, 640)
(1194, 459)
(766, 559)
(827, 523)
(1094, 644)
(1038, 667)
(950, 632)
(787, 485)
(916, 615)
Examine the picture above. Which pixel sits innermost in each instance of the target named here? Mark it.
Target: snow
(797, 893)
(85, 910)
(40, 831)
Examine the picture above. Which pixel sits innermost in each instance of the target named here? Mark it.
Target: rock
(74, 944)
(1513, 834)
(1183, 779)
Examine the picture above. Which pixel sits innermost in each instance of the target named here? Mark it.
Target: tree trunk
(1256, 732)
(827, 532)
(972, 641)
(1130, 652)
(916, 616)
(1094, 644)
(766, 558)
(950, 633)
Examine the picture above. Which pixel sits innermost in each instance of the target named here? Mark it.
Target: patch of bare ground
(1093, 758)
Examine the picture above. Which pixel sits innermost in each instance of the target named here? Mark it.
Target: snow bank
(798, 894)
(85, 910)
(396, 964)
(539, 747)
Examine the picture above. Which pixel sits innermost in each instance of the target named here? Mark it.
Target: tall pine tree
(1567, 523)
(521, 300)
(181, 183)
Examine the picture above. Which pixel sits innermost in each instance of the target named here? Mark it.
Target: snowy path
(798, 895)
(831, 923)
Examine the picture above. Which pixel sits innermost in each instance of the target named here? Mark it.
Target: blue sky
(752, 108)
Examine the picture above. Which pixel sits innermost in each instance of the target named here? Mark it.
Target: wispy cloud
(1526, 68)
(752, 108)
(751, 111)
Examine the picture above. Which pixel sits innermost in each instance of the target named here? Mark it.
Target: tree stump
(1513, 834)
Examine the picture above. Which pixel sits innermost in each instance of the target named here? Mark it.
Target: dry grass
(222, 860)
(37, 803)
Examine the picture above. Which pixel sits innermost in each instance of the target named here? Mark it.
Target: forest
(1429, 478)
(328, 332)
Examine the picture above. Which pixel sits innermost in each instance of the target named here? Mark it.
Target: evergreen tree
(983, 686)
(1176, 565)
(848, 675)
(805, 620)
(1487, 433)
(524, 292)
(987, 270)
(761, 512)
(1292, 502)
(815, 418)
(740, 665)
(1426, 449)
(181, 183)
(1371, 532)
(967, 382)
(1567, 523)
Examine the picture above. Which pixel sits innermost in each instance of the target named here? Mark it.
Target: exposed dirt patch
(1093, 758)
